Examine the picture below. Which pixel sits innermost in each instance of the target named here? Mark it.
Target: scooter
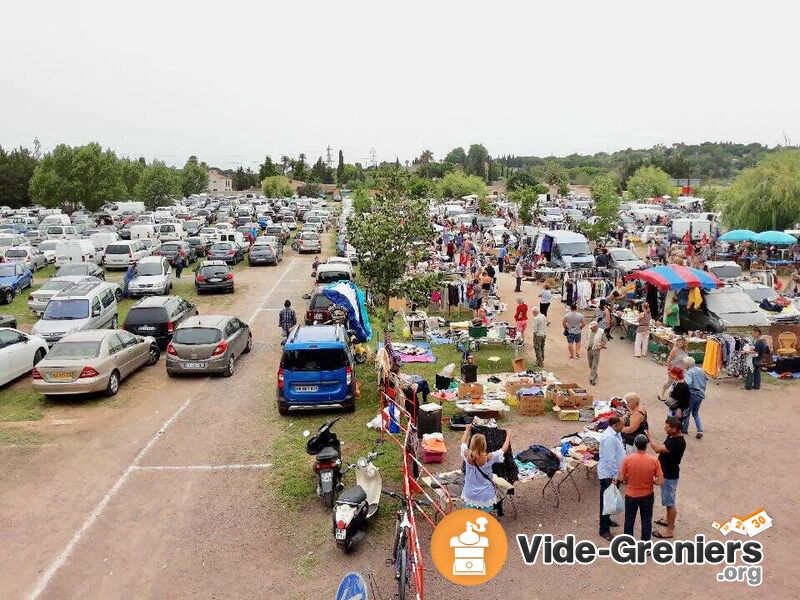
(326, 449)
(358, 504)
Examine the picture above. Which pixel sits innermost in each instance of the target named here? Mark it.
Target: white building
(218, 182)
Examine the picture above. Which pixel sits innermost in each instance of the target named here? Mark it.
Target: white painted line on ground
(47, 575)
(205, 467)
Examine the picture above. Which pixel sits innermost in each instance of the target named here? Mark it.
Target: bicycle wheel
(402, 572)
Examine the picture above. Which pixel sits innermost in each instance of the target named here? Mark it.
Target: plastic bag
(613, 502)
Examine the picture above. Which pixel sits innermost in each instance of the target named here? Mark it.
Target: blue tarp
(350, 297)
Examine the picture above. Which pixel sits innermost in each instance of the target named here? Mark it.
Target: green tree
(158, 185)
(523, 179)
(310, 190)
(395, 233)
(457, 185)
(194, 178)
(244, 179)
(276, 186)
(267, 169)
(649, 182)
(477, 157)
(556, 174)
(69, 177)
(456, 156)
(362, 201)
(426, 157)
(340, 169)
(131, 171)
(528, 200)
(767, 196)
(419, 187)
(16, 170)
(713, 196)
(299, 168)
(606, 205)
(351, 175)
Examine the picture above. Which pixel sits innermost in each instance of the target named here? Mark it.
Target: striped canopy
(676, 277)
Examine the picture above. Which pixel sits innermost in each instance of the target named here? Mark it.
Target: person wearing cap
(640, 471)
(595, 343)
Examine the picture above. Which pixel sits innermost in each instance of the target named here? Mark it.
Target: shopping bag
(613, 502)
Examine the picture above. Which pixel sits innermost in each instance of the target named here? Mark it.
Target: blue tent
(738, 235)
(775, 237)
(351, 297)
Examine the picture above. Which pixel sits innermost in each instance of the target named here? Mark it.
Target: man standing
(287, 319)
(518, 273)
(669, 457)
(640, 471)
(612, 454)
(573, 325)
(596, 343)
(539, 323)
(545, 297)
(179, 263)
(696, 380)
(758, 353)
(126, 280)
(501, 258)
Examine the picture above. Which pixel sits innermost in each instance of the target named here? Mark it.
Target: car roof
(150, 259)
(214, 321)
(89, 335)
(83, 289)
(154, 301)
(333, 268)
(322, 337)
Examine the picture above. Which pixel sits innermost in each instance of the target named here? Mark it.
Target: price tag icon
(757, 522)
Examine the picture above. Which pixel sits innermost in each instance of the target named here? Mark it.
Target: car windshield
(214, 271)
(7, 270)
(332, 276)
(118, 249)
(315, 360)
(310, 236)
(169, 248)
(261, 248)
(46, 246)
(66, 309)
(72, 270)
(574, 248)
(209, 230)
(75, 350)
(623, 254)
(7, 242)
(16, 253)
(149, 268)
(193, 336)
(55, 285)
(194, 241)
(140, 316)
(223, 246)
(759, 294)
(320, 302)
(55, 230)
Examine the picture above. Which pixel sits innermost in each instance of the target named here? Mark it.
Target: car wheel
(114, 322)
(230, 368)
(153, 355)
(8, 297)
(170, 374)
(113, 383)
(38, 356)
(283, 410)
(33, 268)
(249, 346)
(118, 294)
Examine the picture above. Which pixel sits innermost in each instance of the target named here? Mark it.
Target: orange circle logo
(469, 547)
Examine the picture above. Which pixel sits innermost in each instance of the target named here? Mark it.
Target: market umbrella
(677, 277)
(738, 235)
(775, 237)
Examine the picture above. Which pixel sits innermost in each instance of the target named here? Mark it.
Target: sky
(234, 81)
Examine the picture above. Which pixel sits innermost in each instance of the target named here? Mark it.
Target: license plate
(215, 280)
(327, 476)
(341, 534)
(307, 388)
(147, 328)
(194, 365)
(61, 375)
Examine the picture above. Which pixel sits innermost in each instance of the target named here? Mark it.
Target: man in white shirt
(596, 343)
(539, 323)
(612, 453)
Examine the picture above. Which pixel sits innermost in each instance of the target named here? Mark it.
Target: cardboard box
(474, 391)
(513, 386)
(566, 414)
(559, 394)
(580, 398)
(531, 406)
(518, 364)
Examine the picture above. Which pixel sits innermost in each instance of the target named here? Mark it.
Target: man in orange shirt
(640, 471)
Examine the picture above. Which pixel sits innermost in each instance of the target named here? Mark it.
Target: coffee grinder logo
(469, 547)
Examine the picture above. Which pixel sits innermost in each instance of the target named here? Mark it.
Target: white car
(209, 233)
(654, 232)
(153, 277)
(19, 352)
(26, 255)
(120, 255)
(497, 234)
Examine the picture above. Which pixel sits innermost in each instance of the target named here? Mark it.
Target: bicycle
(401, 553)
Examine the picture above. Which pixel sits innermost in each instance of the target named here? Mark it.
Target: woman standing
(521, 317)
(679, 394)
(675, 361)
(642, 340)
(545, 297)
(479, 491)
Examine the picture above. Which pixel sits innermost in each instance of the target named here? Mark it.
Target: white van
(451, 210)
(76, 251)
(120, 255)
(565, 249)
(59, 219)
(140, 231)
(162, 215)
(695, 227)
(170, 232)
(102, 239)
(234, 237)
(61, 232)
(134, 207)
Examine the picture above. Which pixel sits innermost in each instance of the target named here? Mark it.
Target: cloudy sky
(233, 81)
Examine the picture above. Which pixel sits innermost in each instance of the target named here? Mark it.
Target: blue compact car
(17, 277)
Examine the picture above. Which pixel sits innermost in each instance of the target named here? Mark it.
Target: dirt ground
(129, 498)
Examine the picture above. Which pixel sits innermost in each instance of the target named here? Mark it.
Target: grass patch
(21, 437)
(21, 405)
(306, 566)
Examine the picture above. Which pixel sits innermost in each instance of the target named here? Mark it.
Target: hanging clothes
(695, 299)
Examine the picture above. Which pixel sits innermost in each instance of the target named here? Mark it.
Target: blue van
(316, 370)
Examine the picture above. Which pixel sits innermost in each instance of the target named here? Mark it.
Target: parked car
(309, 242)
(16, 276)
(263, 254)
(654, 232)
(48, 248)
(89, 269)
(722, 309)
(153, 276)
(200, 245)
(38, 299)
(230, 252)
(26, 255)
(625, 260)
(158, 316)
(87, 305)
(169, 250)
(279, 231)
(19, 353)
(120, 255)
(208, 344)
(93, 361)
(8, 321)
(318, 307)
(316, 370)
(213, 276)
(333, 273)
(7, 293)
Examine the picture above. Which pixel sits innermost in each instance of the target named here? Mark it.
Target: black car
(213, 276)
(278, 231)
(169, 250)
(264, 254)
(318, 308)
(125, 232)
(158, 316)
(229, 252)
(201, 245)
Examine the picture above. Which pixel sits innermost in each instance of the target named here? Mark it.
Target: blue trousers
(692, 411)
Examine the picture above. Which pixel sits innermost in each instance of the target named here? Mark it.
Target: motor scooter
(357, 504)
(326, 449)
